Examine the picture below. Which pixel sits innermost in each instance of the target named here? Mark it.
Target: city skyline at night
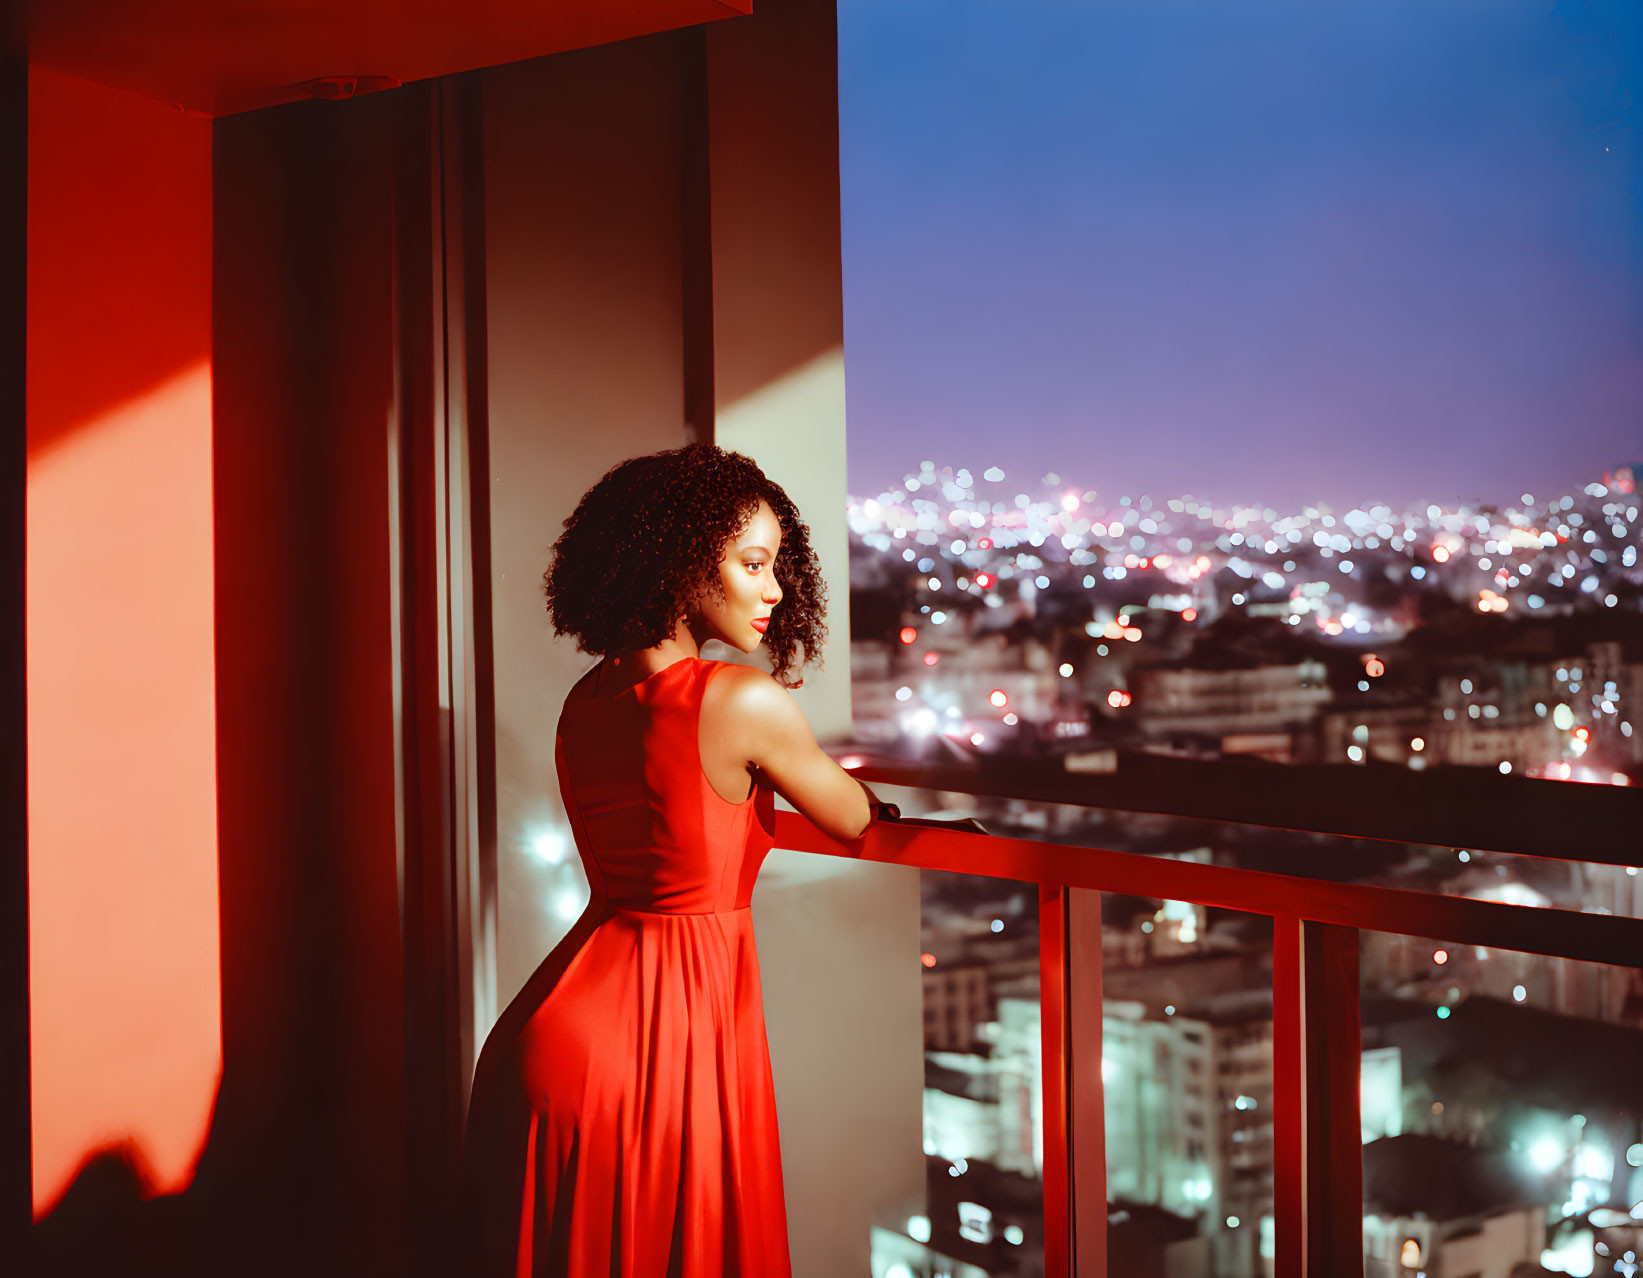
(1282, 256)
(1000, 617)
(1252, 383)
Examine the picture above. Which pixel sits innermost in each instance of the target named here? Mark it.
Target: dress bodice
(652, 832)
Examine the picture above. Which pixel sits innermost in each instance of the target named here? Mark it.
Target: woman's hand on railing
(879, 810)
(963, 825)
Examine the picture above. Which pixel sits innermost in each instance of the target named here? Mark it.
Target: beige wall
(585, 170)
(584, 304)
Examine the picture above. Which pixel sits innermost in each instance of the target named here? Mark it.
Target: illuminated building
(1445, 1208)
(1145, 1239)
(896, 694)
(1017, 1047)
(1489, 718)
(1221, 703)
(1590, 990)
(1189, 1115)
(1606, 696)
(961, 1107)
(957, 1001)
(1540, 1098)
(987, 1105)
(1380, 1093)
(1387, 733)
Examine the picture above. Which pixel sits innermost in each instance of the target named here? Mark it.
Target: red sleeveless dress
(623, 1119)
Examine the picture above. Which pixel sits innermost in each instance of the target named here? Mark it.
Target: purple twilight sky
(1255, 250)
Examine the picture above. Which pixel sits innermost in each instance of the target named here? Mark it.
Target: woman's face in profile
(748, 574)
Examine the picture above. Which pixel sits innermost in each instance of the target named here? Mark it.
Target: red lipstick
(760, 623)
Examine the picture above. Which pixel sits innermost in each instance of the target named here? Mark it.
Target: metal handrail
(1591, 938)
(1474, 808)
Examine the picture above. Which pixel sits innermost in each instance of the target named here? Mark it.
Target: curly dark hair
(645, 542)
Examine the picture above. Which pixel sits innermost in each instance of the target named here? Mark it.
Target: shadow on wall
(108, 1222)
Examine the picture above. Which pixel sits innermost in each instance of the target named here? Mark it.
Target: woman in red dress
(623, 1120)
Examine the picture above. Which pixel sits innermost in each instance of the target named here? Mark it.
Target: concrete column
(838, 940)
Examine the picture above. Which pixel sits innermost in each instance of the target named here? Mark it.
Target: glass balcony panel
(1502, 1110)
(1186, 1069)
(983, 1213)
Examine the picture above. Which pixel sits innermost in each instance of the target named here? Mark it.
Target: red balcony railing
(1315, 924)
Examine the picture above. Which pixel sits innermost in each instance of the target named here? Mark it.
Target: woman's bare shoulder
(745, 688)
(752, 705)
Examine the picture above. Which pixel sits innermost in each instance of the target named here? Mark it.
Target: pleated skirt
(623, 1120)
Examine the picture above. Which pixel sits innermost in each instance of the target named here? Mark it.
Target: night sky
(1278, 252)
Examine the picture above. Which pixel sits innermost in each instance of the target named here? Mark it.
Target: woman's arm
(777, 739)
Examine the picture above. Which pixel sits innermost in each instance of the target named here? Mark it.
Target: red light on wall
(1583, 732)
(124, 984)
(1440, 957)
(908, 634)
(986, 543)
(930, 658)
(1189, 614)
(984, 579)
(1118, 698)
(997, 698)
(929, 960)
(1440, 554)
